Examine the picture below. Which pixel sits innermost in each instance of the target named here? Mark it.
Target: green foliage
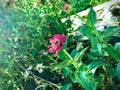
(118, 71)
(24, 36)
(116, 54)
(66, 86)
(84, 72)
(25, 29)
(79, 55)
(80, 5)
(95, 64)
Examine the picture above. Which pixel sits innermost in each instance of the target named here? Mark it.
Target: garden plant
(40, 52)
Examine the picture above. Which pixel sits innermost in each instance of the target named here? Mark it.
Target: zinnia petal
(57, 43)
(56, 53)
(60, 48)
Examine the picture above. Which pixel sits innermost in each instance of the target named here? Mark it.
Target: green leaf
(95, 64)
(64, 55)
(83, 30)
(65, 72)
(109, 31)
(85, 79)
(82, 79)
(91, 19)
(111, 28)
(86, 31)
(99, 80)
(117, 46)
(71, 74)
(74, 52)
(118, 71)
(79, 55)
(66, 86)
(97, 50)
(114, 53)
(19, 81)
(61, 65)
(91, 81)
(111, 71)
(34, 52)
(93, 84)
(93, 41)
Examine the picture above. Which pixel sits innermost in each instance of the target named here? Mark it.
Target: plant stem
(50, 83)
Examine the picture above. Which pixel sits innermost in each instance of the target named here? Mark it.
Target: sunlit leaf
(95, 64)
(91, 19)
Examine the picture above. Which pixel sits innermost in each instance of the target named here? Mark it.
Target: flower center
(58, 43)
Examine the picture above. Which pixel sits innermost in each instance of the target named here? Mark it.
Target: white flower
(43, 87)
(39, 67)
(44, 52)
(27, 71)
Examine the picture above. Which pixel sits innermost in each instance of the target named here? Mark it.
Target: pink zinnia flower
(66, 7)
(57, 43)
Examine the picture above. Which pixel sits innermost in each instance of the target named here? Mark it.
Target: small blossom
(39, 67)
(44, 52)
(66, 7)
(57, 43)
(27, 71)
